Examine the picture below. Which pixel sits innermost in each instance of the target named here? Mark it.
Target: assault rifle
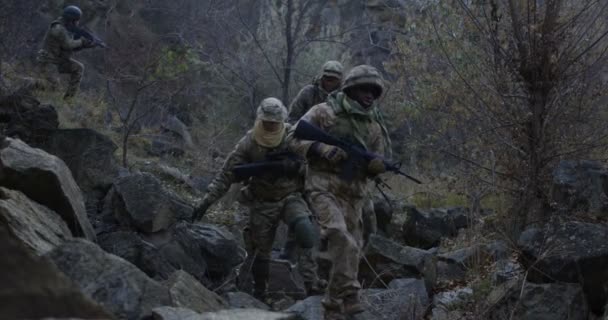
(357, 155)
(84, 32)
(283, 163)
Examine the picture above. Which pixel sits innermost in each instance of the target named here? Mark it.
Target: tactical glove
(331, 153)
(201, 209)
(376, 166)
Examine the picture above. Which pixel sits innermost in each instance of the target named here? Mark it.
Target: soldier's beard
(266, 138)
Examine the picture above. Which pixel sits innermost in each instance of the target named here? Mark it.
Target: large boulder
(386, 260)
(32, 287)
(23, 117)
(141, 202)
(39, 228)
(581, 186)
(426, 229)
(574, 252)
(174, 138)
(110, 280)
(45, 179)
(529, 301)
(187, 292)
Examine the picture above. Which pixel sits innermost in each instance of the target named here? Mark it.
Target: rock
(171, 313)
(450, 272)
(444, 302)
(163, 144)
(174, 126)
(45, 179)
(384, 213)
(33, 288)
(390, 260)
(22, 116)
(110, 280)
(552, 301)
(309, 308)
(581, 186)
(187, 292)
(505, 271)
(285, 280)
(425, 229)
(574, 252)
(39, 228)
(243, 300)
(140, 201)
(168, 313)
(90, 157)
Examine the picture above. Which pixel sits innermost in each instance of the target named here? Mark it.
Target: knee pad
(304, 231)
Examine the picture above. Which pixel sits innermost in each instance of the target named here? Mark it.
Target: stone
(425, 229)
(39, 228)
(581, 186)
(506, 270)
(33, 288)
(550, 301)
(169, 313)
(140, 201)
(386, 260)
(23, 117)
(574, 252)
(174, 313)
(453, 299)
(242, 300)
(110, 280)
(45, 179)
(187, 292)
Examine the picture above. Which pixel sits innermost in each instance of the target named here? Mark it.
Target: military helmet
(272, 109)
(364, 75)
(72, 13)
(332, 69)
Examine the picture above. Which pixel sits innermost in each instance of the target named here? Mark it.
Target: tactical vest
(53, 46)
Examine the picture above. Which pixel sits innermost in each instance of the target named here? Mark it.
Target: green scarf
(359, 117)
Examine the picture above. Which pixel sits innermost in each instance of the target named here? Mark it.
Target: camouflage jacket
(59, 44)
(266, 188)
(309, 96)
(321, 175)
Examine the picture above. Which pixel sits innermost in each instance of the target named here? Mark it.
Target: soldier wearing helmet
(329, 80)
(351, 115)
(57, 49)
(271, 198)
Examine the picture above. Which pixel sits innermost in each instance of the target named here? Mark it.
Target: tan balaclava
(270, 109)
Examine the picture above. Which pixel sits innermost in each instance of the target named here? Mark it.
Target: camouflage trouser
(65, 66)
(263, 222)
(370, 225)
(341, 224)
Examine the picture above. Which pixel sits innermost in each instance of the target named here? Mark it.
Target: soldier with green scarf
(350, 115)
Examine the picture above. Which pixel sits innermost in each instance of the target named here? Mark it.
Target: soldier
(271, 198)
(351, 115)
(58, 47)
(329, 80)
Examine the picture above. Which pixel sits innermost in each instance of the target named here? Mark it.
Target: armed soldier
(328, 80)
(271, 197)
(350, 115)
(58, 46)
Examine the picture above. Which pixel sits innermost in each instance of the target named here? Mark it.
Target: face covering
(265, 138)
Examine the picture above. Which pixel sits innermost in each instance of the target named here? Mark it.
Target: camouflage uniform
(314, 93)
(339, 203)
(57, 50)
(270, 199)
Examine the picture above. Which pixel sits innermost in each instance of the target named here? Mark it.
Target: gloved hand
(201, 209)
(331, 153)
(86, 43)
(376, 166)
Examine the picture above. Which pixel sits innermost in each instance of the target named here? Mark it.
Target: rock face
(581, 186)
(393, 261)
(111, 281)
(45, 179)
(187, 292)
(33, 288)
(140, 201)
(425, 229)
(574, 252)
(174, 139)
(39, 228)
(551, 301)
(22, 116)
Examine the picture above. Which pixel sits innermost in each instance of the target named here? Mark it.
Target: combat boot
(353, 305)
(333, 309)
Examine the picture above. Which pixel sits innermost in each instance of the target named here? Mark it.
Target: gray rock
(187, 292)
(169, 313)
(39, 228)
(243, 300)
(574, 252)
(551, 301)
(387, 260)
(23, 117)
(141, 201)
(505, 271)
(173, 313)
(453, 299)
(45, 179)
(425, 229)
(33, 288)
(450, 272)
(110, 280)
(581, 186)
(309, 308)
